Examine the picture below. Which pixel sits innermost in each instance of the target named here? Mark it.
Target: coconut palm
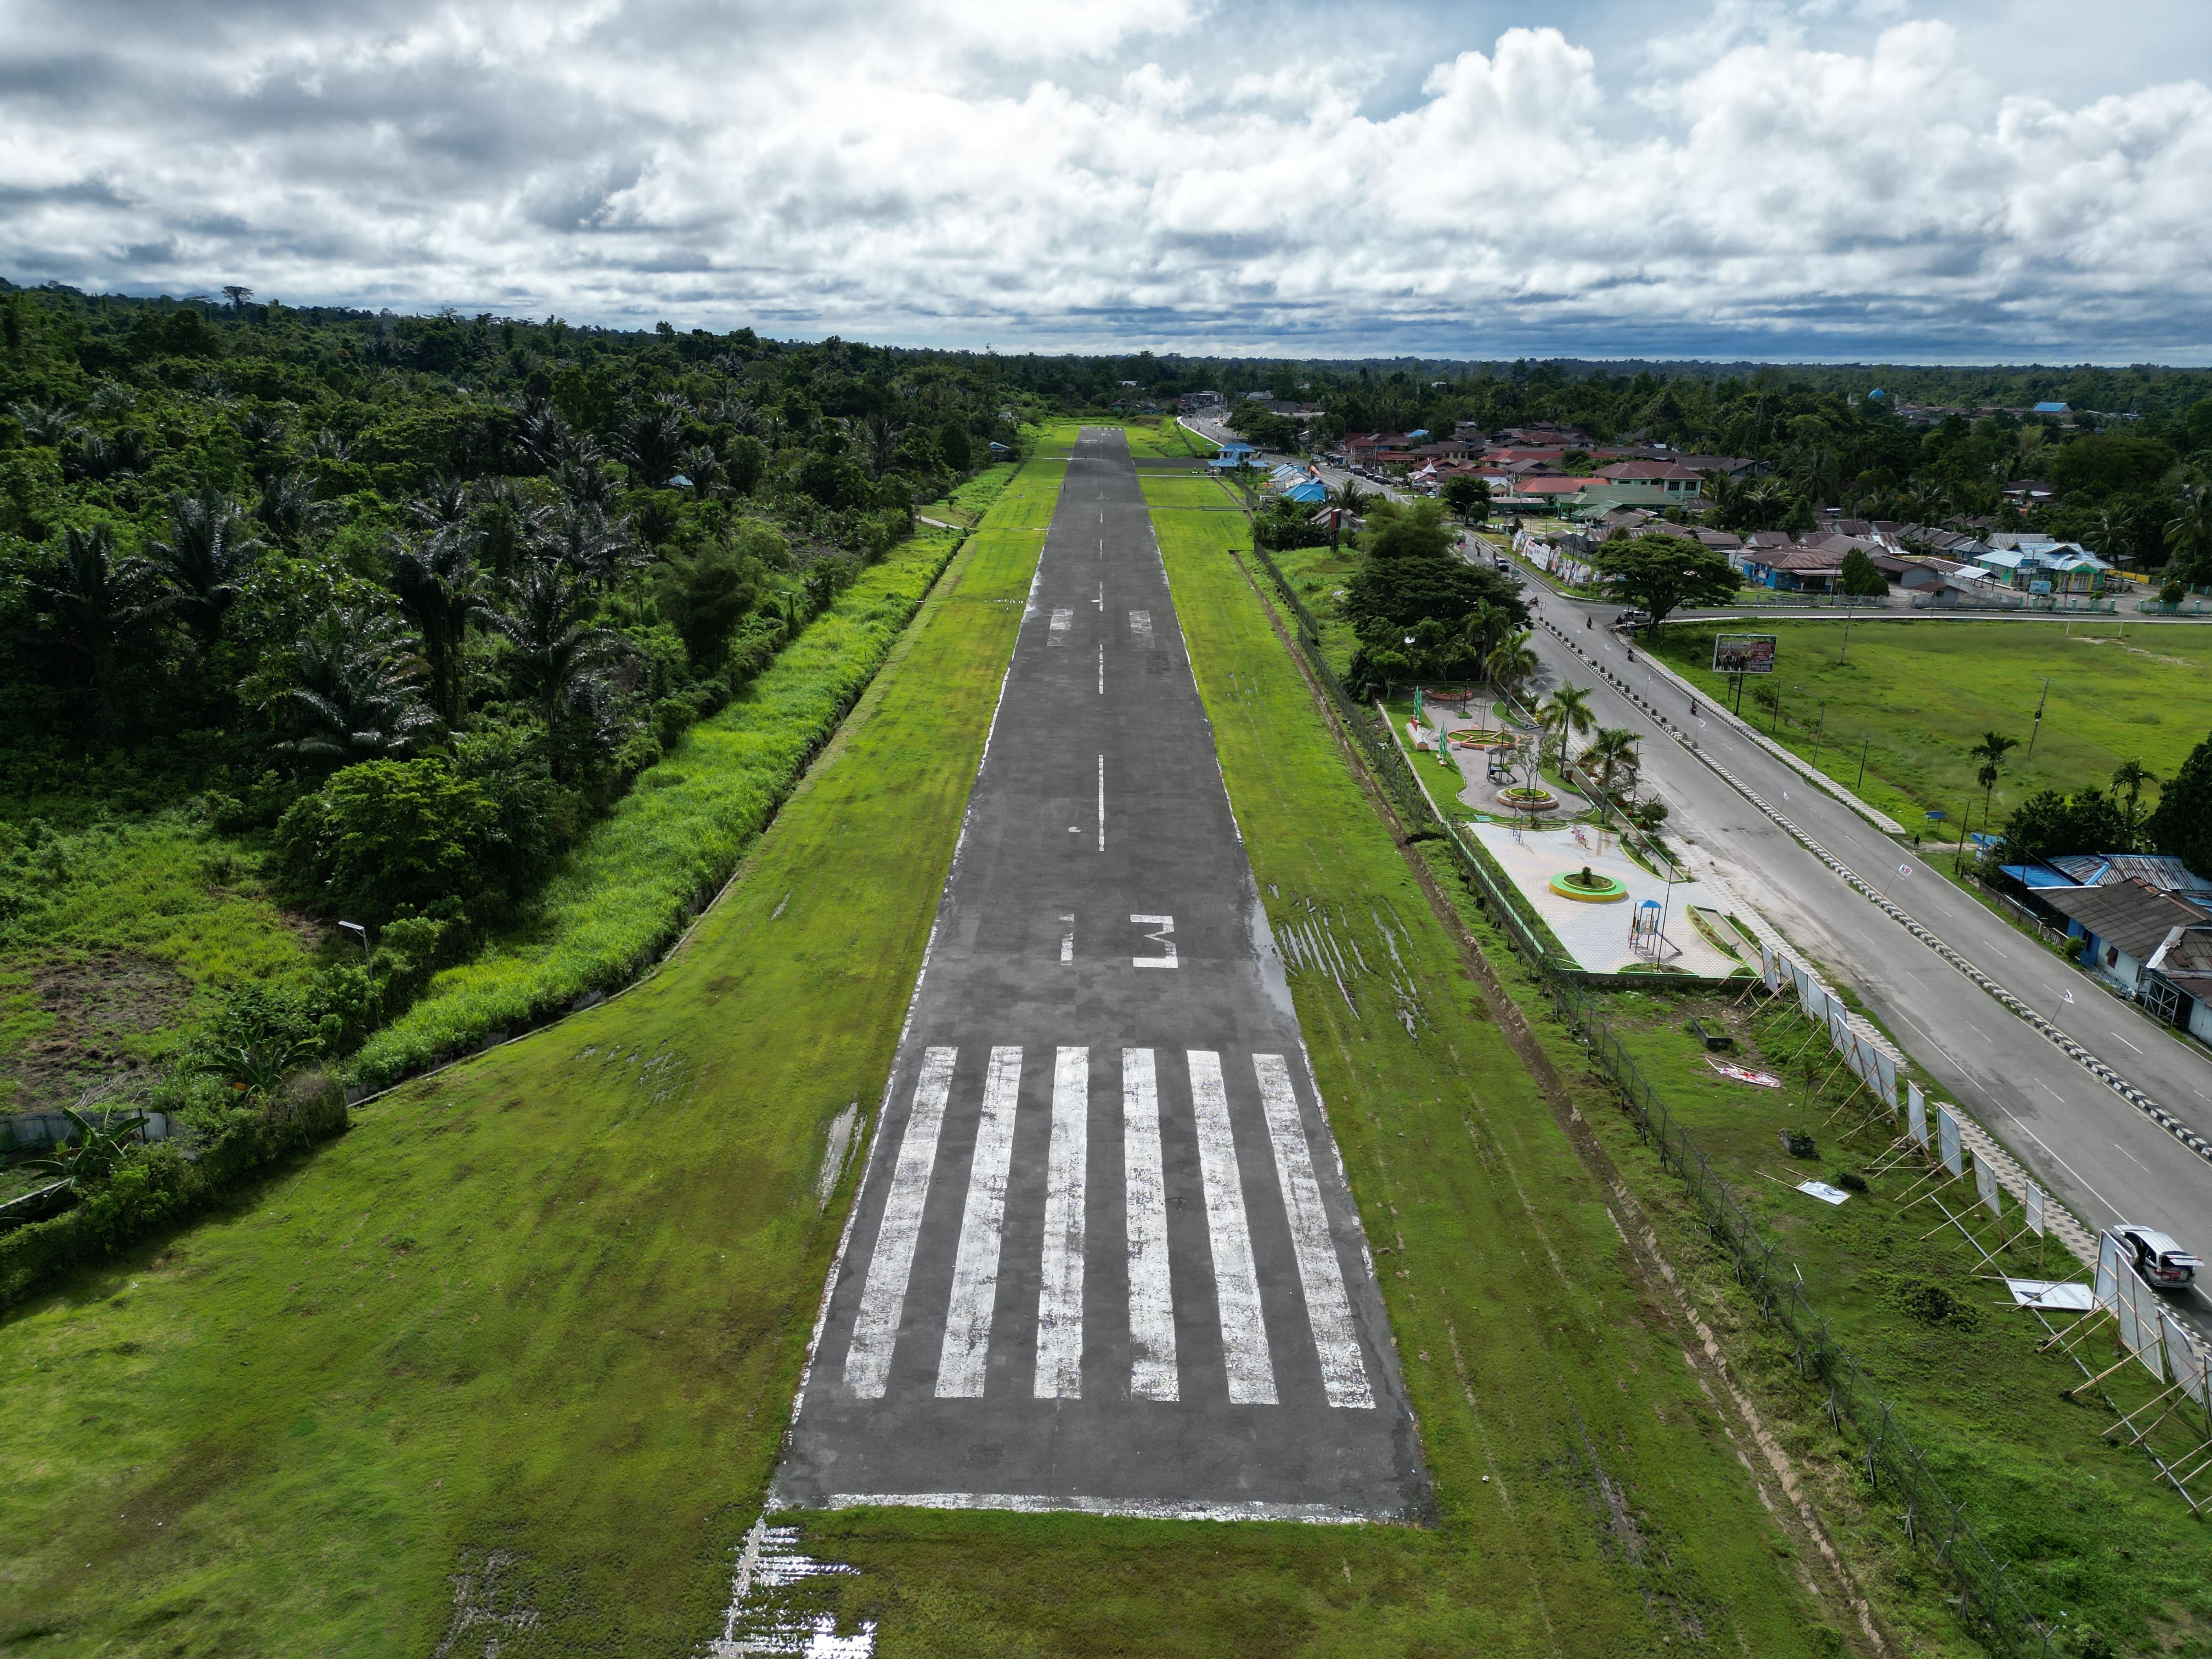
(593, 546)
(45, 425)
(1611, 753)
(99, 604)
(206, 559)
(288, 507)
(1484, 626)
(1565, 714)
(2130, 776)
(1345, 501)
(1991, 752)
(359, 693)
(652, 448)
(1511, 662)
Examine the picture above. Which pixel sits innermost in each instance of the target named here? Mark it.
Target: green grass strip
(551, 1304)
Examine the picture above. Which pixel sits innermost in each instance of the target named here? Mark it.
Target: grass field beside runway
(1179, 490)
(548, 1307)
(1590, 1500)
(1915, 696)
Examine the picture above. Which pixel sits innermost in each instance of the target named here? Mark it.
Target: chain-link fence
(1893, 1467)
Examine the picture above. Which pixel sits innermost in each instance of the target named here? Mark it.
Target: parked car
(1632, 617)
(2160, 1260)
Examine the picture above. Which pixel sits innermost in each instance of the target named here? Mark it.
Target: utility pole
(2033, 730)
(1846, 650)
(1862, 754)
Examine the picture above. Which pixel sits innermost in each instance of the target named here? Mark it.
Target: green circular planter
(1568, 885)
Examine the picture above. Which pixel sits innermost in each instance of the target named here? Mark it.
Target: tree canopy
(1662, 573)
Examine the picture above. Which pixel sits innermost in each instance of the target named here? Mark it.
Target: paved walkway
(1597, 934)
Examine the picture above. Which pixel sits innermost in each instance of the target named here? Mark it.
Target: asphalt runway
(1102, 1257)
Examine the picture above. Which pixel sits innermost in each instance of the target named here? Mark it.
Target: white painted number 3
(1166, 925)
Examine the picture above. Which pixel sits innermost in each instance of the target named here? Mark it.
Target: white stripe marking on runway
(1152, 1294)
(1067, 940)
(1061, 622)
(960, 1366)
(1059, 1299)
(1344, 1375)
(883, 1298)
(1102, 803)
(1236, 1282)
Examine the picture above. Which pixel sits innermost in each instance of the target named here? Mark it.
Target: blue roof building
(1314, 490)
(2052, 409)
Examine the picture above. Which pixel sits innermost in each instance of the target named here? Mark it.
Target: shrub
(158, 1186)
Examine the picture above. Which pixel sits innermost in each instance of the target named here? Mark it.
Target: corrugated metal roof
(2127, 914)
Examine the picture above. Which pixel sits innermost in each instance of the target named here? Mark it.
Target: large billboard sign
(1743, 653)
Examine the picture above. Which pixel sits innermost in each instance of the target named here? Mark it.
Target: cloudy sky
(1922, 179)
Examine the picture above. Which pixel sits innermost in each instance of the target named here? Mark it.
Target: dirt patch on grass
(95, 1002)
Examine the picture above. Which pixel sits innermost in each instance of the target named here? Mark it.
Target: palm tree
(1484, 626)
(1991, 752)
(1344, 501)
(288, 507)
(1612, 753)
(557, 645)
(653, 448)
(439, 586)
(1565, 714)
(358, 695)
(595, 547)
(1511, 662)
(2131, 776)
(2189, 535)
(99, 604)
(206, 558)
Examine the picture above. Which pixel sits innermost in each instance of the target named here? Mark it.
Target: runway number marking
(1061, 622)
(1067, 940)
(1166, 925)
(883, 1299)
(975, 1268)
(1140, 623)
(1151, 1295)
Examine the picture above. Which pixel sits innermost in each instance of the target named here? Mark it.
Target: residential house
(2044, 567)
(2126, 927)
(1913, 575)
(1792, 569)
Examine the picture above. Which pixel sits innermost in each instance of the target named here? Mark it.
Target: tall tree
(2182, 825)
(99, 606)
(2129, 778)
(1991, 752)
(2188, 537)
(206, 559)
(1344, 502)
(551, 622)
(1663, 572)
(358, 695)
(439, 585)
(1511, 662)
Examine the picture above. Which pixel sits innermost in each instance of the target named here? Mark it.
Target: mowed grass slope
(1590, 1501)
(1180, 489)
(1915, 696)
(536, 1322)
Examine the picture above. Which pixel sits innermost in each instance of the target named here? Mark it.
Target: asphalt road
(2083, 1142)
(1102, 1257)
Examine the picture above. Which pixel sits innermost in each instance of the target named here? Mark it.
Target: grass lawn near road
(1615, 1518)
(1176, 489)
(548, 1307)
(2091, 1533)
(1916, 695)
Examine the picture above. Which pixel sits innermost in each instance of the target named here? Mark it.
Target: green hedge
(637, 879)
(160, 1185)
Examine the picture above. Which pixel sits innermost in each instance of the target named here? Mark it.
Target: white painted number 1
(1166, 925)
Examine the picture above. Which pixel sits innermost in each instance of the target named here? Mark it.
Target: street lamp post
(367, 961)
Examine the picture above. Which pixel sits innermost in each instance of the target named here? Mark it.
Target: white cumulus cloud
(1843, 177)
